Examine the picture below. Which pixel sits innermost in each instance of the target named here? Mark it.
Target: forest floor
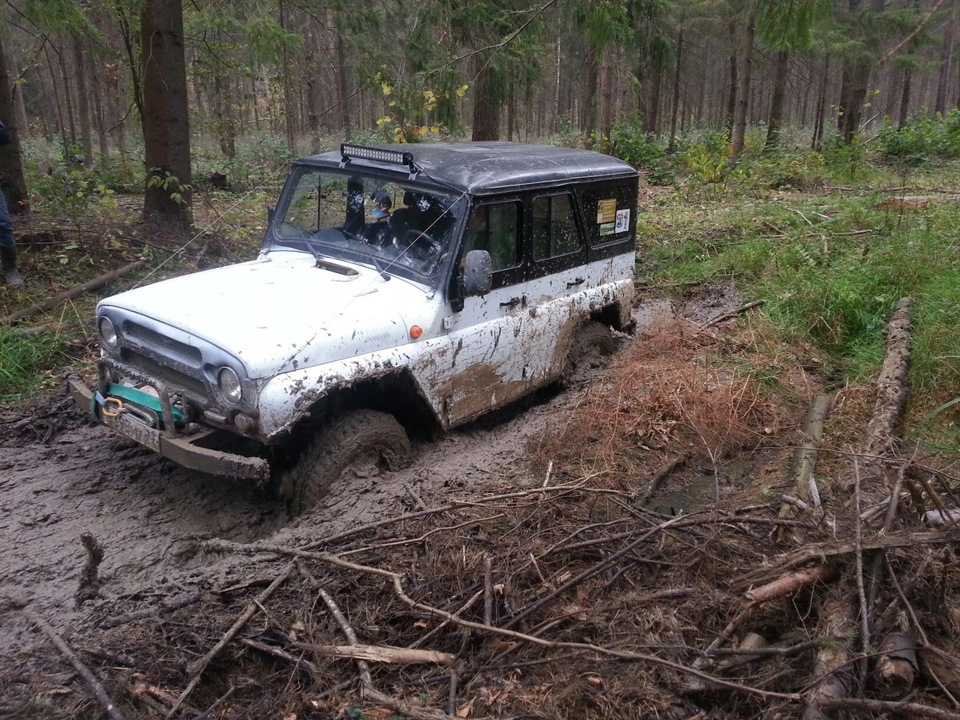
(590, 553)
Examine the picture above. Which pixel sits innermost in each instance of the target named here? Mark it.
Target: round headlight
(229, 383)
(108, 333)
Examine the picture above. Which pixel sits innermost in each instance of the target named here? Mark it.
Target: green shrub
(631, 144)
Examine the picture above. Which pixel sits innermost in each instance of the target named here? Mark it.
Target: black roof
(480, 168)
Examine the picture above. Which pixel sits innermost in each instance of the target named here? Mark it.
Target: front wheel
(362, 444)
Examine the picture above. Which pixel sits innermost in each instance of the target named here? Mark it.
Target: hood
(280, 313)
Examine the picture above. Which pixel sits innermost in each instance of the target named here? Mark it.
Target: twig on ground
(197, 667)
(89, 678)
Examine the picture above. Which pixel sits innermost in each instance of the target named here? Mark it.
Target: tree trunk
(651, 119)
(590, 94)
(83, 102)
(733, 81)
(777, 103)
(223, 107)
(606, 115)
(166, 129)
(946, 61)
(342, 89)
(11, 163)
(821, 112)
(486, 103)
(288, 113)
(853, 91)
(743, 92)
(676, 91)
(905, 99)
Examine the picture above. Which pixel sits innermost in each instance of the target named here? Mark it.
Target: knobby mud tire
(359, 436)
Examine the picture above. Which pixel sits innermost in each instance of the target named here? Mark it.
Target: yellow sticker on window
(606, 211)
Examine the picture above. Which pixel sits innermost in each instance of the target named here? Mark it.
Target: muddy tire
(593, 343)
(364, 443)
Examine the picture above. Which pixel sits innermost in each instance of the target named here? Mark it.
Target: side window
(496, 229)
(554, 227)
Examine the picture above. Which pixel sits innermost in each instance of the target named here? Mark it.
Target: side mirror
(271, 211)
(477, 273)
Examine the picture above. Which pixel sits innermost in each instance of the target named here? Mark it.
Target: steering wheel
(420, 247)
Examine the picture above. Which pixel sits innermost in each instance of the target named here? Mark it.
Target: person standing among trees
(8, 248)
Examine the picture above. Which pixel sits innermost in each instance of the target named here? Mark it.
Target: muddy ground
(63, 476)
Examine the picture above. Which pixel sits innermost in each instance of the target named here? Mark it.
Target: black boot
(8, 259)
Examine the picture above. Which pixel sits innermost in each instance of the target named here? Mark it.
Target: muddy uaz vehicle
(399, 289)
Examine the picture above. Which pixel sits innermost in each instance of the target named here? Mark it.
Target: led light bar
(361, 152)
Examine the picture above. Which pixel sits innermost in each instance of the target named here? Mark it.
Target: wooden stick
(732, 314)
(197, 667)
(88, 677)
(487, 590)
(72, 292)
(886, 707)
(789, 584)
(380, 653)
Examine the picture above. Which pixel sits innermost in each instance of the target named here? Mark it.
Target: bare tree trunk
(651, 119)
(606, 115)
(905, 99)
(342, 90)
(19, 108)
(676, 91)
(11, 163)
(590, 94)
(821, 111)
(779, 95)
(743, 93)
(733, 81)
(166, 130)
(946, 60)
(83, 102)
(288, 113)
(486, 103)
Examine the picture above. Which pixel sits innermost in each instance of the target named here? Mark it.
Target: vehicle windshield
(396, 227)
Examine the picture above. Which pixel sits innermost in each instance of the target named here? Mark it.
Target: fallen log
(897, 666)
(891, 383)
(821, 552)
(72, 292)
(805, 462)
(836, 620)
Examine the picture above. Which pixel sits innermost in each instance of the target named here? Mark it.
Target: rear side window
(496, 229)
(555, 230)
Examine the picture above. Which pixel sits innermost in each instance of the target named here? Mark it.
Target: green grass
(27, 362)
(831, 266)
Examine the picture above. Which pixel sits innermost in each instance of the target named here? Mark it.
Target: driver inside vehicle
(379, 232)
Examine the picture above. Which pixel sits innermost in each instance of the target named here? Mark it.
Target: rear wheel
(361, 444)
(593, 343)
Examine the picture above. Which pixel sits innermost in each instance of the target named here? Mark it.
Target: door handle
(578, 281)
(512, 302)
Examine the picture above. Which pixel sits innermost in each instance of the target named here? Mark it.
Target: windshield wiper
(369, 251)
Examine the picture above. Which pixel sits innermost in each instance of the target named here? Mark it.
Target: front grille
(176, 379)
(163, 346)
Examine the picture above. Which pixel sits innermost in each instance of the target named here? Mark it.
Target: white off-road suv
(399, 290)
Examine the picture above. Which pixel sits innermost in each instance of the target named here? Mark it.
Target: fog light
(245, 424)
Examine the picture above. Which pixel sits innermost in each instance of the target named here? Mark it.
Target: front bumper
(182, 449)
